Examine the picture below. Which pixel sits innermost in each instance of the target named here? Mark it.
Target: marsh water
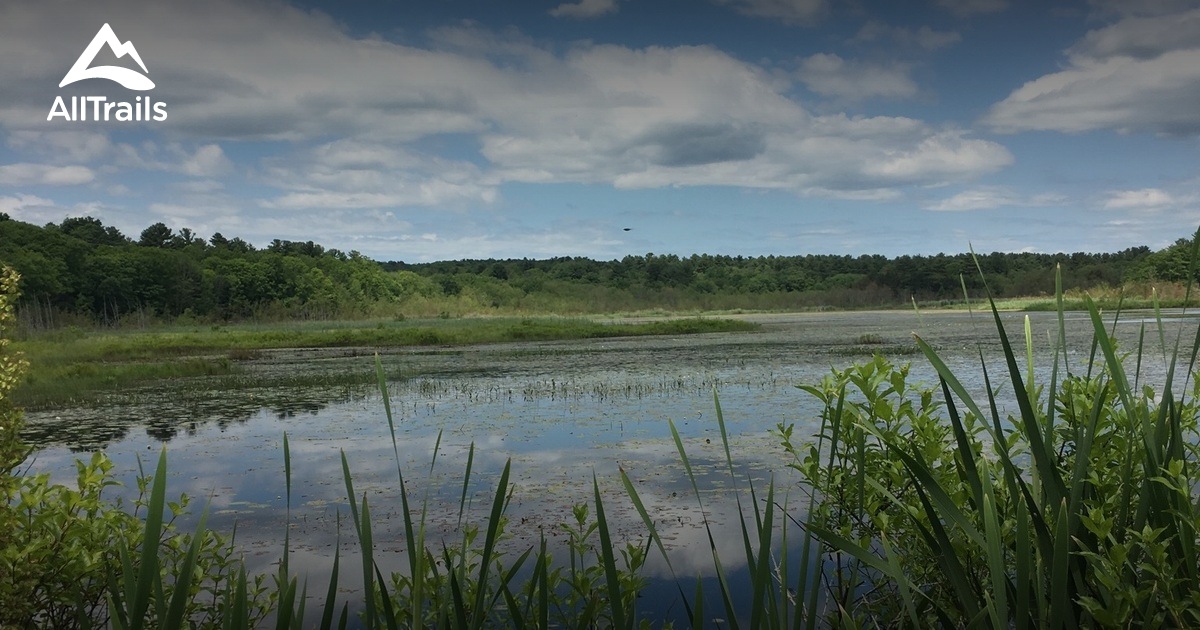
(560, 411)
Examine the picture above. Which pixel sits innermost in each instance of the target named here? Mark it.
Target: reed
(1076, 510)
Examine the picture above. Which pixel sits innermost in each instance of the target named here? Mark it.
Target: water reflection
(165, 414)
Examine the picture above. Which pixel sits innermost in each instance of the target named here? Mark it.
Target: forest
(82, 272)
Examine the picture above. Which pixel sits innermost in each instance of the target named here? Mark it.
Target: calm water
(561, 411)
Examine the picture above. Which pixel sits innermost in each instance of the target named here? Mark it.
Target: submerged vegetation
(1070, 503)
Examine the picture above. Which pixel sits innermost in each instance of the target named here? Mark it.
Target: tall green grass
(1078, 509)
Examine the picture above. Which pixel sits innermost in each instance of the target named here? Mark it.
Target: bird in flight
(628, 229)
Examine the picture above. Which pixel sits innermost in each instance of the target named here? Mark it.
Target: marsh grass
(83, 367)
(89, 382)
(1076, 510)
(136, 345)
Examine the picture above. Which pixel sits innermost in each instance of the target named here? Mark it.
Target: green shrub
(1076, 510)
(64, 548)
(867, 409)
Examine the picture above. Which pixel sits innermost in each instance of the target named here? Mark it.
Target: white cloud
(584, 9)
(1146, 199)
(990, 197)
(208, 161)
(925, 37)
(832, 76)
(1140, 38)
(787, 11)
(973, 7)
(1141, 74)
(695, 116)
(14, 205)
(62, 146)
(39, 210)
(362, 174)
(948, 153)
(519, 111)
(27, 174)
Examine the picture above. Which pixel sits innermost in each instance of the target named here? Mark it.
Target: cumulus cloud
(832, 76)
(65, 147)
(1140, 38)
(787, 11)
(517, 110)
(1140, 74)
(948, 153)
(364, 174)
(584, 9)
(62, 146)
(39, 210)
(696, 116)
(207, 161)
(27, 174)
(16, 205)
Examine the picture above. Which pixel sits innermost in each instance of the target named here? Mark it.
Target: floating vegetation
(84, 369)
(870, 339)
(880, 348)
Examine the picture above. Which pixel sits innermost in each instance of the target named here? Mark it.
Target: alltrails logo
(100, 108)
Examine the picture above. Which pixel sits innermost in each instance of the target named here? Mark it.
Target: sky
(602, 128)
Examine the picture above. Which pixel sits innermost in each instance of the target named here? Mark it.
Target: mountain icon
(129, 78)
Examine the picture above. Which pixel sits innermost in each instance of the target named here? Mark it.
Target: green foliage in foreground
(1078, 510)
(63, 550)
(925, 508)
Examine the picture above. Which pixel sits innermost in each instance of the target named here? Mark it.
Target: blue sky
(463, 129)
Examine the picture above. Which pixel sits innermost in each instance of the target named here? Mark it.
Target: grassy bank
(70, 366)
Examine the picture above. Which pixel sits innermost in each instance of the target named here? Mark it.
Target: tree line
(85, 268)
(81, 268)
